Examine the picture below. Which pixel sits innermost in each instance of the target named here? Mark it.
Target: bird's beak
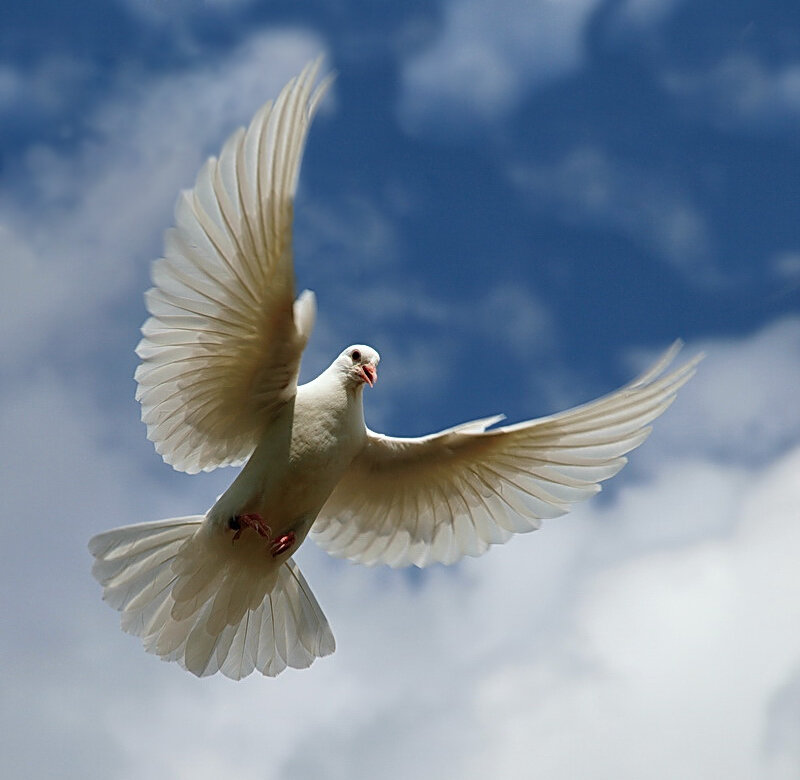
(370, 373)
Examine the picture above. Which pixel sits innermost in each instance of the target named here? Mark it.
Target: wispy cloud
(743, 93)
(587, 186)
(742, 408)
(40, 89)
(176, 11)
(786, 266)
(630, 15)
(487, 57)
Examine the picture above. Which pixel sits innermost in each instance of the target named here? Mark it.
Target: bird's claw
(249, 520)
(282, 544)
(253, 520)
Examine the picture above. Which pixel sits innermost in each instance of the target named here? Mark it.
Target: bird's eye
(356, 355)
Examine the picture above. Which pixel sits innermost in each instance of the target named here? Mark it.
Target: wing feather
(455, 493)
(221, 350)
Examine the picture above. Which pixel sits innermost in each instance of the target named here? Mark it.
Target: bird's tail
(196, 598)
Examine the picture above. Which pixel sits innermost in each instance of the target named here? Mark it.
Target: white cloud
(27, 283)
(510, 314)
(62, 480)
(785, 266)
(635, 15)
(45, 87)
(586, 186)
(9, 85)
(781, 742)
(353, 233)
(743, 405)
(487, 56)
(681, 652)
(741, 92)
(655, 630)
(519, 321)
(161, 12)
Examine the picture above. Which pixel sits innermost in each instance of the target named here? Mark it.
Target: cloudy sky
(519, 203)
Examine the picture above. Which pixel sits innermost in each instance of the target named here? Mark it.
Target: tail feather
(211, 606)
(131, 539)
(308, 613)
(195, 589)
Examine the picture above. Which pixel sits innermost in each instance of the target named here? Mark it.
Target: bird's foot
(249, 520)
(282, 544)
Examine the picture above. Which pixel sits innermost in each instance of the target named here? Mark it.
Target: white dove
(218, 386)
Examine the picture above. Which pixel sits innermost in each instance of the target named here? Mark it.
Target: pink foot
(249, 520)
(282, 544)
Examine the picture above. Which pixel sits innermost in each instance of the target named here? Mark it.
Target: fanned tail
(195, 598)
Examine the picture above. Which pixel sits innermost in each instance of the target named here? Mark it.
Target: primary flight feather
(220, 357)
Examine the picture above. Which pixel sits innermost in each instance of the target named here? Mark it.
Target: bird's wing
(221, 350)
(455, 493)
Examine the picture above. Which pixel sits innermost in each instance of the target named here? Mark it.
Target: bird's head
(359, 363)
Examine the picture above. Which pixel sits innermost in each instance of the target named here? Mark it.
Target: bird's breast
(325, 439)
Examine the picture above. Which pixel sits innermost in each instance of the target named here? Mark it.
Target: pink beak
(370, 373)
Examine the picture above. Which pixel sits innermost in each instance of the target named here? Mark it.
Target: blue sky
(518, 203)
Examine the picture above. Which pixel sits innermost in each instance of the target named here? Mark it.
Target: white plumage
(220, 359)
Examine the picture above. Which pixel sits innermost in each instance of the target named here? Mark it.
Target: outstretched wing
(455, 493)
(222, 347)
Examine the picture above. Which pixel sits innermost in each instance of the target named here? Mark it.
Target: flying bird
(218, 385)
